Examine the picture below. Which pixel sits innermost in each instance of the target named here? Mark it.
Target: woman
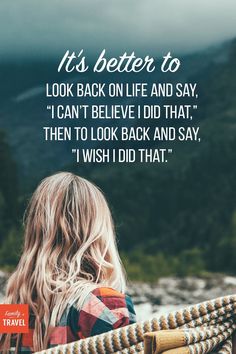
(70, 273)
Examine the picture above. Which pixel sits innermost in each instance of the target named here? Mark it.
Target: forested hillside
(182, 218)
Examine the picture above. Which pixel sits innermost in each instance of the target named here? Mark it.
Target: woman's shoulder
(112, 298)
(105, 309)
(103, 298)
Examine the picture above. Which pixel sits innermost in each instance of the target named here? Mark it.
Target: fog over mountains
(46, 29)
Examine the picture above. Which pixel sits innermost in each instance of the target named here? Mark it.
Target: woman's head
(69, 228)
(69, 249)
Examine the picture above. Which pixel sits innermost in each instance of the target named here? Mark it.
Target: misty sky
(49, 27)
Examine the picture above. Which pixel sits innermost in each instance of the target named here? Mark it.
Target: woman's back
(104, 309)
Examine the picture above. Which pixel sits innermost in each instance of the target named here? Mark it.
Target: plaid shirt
(103, 310)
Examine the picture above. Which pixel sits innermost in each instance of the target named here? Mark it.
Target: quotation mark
(169, 151)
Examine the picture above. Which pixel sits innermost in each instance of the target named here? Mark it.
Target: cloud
(47, 28)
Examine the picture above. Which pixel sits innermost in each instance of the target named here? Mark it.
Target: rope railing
(198, 329)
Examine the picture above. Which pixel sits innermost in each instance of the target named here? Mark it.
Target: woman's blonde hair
(69, 250)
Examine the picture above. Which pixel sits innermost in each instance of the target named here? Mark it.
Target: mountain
(184, 213)
(171, 218)
(23, 111)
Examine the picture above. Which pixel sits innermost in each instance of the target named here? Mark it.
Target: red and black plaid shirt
(103, 310)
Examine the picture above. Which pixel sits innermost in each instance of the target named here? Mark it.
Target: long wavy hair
(69, 249)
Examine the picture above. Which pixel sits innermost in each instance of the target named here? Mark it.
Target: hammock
(203, 328)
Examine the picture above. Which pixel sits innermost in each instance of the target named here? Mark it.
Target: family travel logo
(14, 318)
